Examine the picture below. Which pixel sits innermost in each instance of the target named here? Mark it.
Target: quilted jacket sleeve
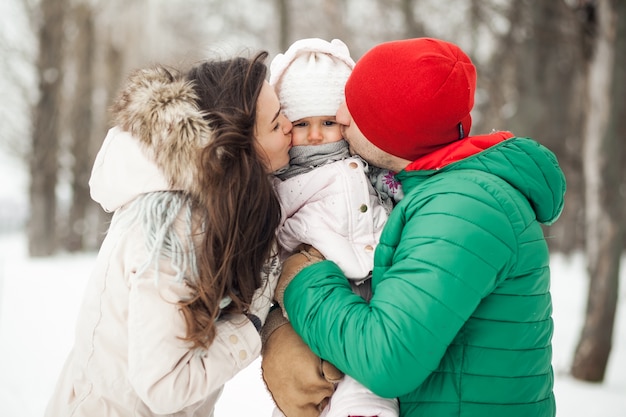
(440, 254)
(167, 375)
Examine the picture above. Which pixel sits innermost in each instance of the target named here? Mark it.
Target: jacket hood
(122, 171)
(528, 166)
(159, 125)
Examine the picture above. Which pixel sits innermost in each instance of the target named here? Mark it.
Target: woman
(182, 282)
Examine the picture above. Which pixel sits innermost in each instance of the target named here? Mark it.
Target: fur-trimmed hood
(156, 142)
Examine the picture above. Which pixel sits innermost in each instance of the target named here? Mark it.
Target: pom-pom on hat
(310, 77)
(413, 96)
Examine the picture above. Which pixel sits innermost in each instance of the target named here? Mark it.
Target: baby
(331, 200)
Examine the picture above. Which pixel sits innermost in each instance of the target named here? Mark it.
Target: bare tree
(534, 84)
(284, 17)
(81, 122)
(322, 19)
(108, 76)
(601, 157)
(17, 53)
(334, 13)
(42, 233)
(413, 28)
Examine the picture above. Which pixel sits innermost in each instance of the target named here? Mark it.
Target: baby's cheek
(298, 138)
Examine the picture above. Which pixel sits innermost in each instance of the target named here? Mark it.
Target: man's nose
(343, 115)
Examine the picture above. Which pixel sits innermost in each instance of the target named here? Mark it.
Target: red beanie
(411, 97)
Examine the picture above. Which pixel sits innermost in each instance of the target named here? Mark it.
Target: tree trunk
(284, 17)
(81, 123)
(619, 92)
(111, 74)
(601, 162)
(42, 234)
(412, 28)
(551, 81)
(335, 11)
(534, 84)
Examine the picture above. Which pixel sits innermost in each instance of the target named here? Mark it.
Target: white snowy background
(39, 301)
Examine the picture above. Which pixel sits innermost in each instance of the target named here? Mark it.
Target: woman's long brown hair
(241, 210)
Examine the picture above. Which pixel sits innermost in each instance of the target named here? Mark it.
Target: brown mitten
(299, 381)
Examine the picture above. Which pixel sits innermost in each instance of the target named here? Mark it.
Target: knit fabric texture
(310, 77)
(413, 96)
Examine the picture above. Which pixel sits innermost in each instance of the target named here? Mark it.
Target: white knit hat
(310, 77)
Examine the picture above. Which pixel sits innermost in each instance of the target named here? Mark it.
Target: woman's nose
(287, 125)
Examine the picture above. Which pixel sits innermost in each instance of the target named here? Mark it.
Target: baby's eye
(329, 123)
(300, 124)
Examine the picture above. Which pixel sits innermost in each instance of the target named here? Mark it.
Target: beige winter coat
(128, 358)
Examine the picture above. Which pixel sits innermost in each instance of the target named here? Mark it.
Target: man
(459, 323)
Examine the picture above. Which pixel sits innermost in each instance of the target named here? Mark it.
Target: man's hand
(300, 382)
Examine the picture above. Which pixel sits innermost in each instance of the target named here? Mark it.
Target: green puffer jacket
(460, 319)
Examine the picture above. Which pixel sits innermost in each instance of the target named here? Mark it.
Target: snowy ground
(39, 300)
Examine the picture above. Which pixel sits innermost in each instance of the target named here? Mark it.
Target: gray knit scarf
(157, 213)
(304, 158)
